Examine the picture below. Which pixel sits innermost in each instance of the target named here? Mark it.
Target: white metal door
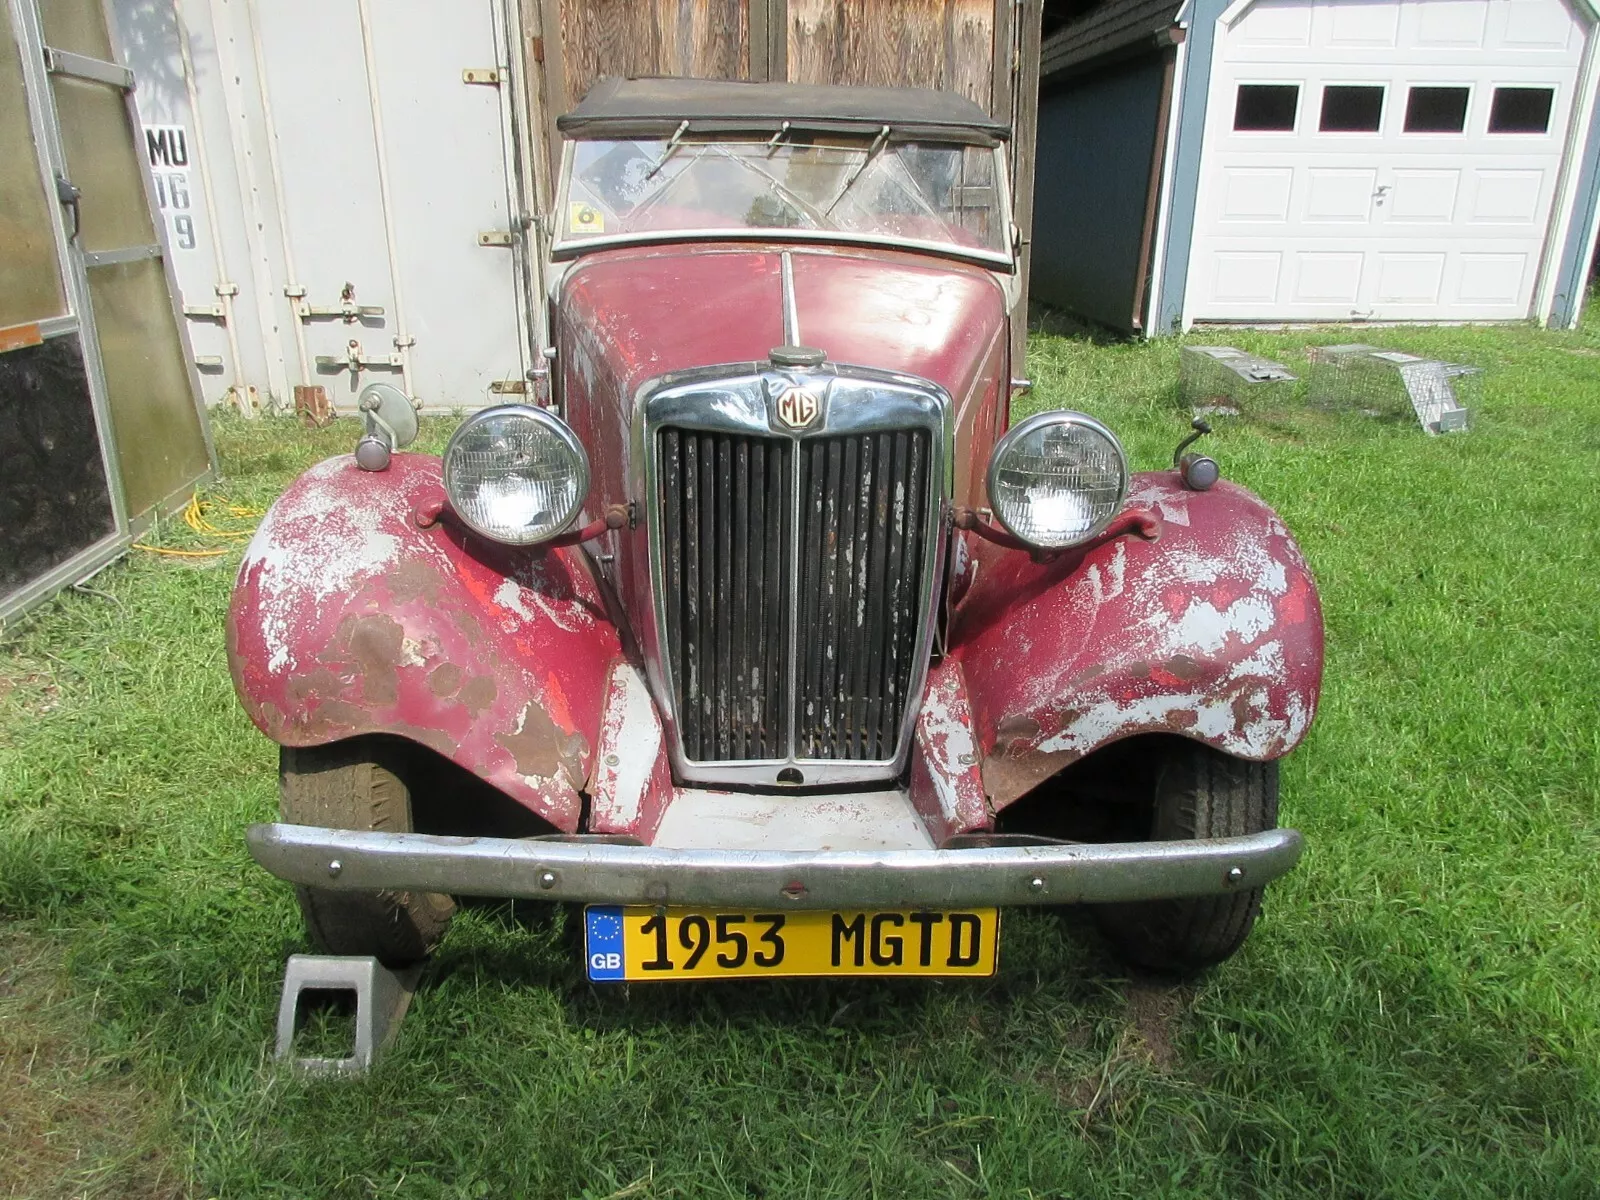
(340, 182)
(1391, 160)
(392, 171)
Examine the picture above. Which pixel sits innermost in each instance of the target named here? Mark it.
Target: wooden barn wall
(944, 44)
(702, 39)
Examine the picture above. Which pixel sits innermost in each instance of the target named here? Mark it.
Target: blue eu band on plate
(642, 943)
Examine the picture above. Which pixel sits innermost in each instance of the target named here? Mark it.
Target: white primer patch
(313, 544)
(945, 740)
(1206, 628)
(631, 730)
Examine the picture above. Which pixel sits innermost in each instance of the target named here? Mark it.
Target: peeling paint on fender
(946, 786)
(348, 619)
(1212, 633)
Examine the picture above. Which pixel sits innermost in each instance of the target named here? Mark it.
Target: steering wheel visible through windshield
(934, 195)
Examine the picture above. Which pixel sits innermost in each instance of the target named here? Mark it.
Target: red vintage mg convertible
(763, 632)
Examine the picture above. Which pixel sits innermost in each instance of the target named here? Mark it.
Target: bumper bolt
(547, 880)
(1036, 883)
(334, 867)
(1235, 874)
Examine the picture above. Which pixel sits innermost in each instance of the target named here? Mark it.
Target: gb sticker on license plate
(642, 943)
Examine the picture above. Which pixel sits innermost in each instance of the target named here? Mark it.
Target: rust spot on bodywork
(413, 580)
(1183, 667)
(337, 716)
(1008, 776)
(479, 693)
(468, 624)
(1017, 729)
(444, 680)
(320, 684)
(377, 645)
(541, 749)
(1241, 710)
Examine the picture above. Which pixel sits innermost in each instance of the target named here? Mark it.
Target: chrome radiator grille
(863, 503)
(727, 576)
(794, 574)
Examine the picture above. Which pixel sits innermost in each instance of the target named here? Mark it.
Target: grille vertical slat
(727, 539)
(780, 520)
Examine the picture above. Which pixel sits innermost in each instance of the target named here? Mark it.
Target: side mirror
(390, 423)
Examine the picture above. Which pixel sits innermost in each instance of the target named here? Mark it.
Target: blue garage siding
(1092, 173)
(1573, 280)
(1201, 17)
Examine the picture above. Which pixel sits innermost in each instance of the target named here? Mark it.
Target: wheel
(1199, 793)
(358, 785)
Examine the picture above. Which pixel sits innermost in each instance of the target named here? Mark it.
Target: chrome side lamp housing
(516, 474)
(1057, 479)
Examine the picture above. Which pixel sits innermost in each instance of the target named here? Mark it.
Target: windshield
(936, 195)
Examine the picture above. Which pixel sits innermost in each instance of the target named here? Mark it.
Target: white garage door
(1385, 160)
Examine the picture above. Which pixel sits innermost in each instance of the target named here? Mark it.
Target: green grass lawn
(1418, 1013)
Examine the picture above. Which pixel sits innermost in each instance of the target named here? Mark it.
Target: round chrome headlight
(516, 474)
(1057, 479)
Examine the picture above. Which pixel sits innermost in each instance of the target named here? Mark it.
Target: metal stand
(382, 997)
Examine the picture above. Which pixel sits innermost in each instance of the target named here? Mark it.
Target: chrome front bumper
(613, 873)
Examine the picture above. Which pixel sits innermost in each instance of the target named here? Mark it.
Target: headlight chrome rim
(553, 424)
(1021, 430)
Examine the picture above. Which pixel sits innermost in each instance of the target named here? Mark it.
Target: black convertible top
(616, 107)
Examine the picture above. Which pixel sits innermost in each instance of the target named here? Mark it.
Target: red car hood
(649, 311)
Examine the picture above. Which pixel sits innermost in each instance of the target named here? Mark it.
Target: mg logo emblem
(797, 407)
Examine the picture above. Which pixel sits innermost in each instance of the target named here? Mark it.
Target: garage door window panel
(1266, 108)
(1521, 109)
(1351, 108)
(1437, 109)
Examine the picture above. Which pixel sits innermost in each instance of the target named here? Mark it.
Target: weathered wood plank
(702, 39)
(1025, 127)
(944, 44)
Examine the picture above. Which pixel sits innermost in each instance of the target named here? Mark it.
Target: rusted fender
(1213, 632)
(348, 618)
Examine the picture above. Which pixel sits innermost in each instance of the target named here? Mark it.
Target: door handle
(68, 194)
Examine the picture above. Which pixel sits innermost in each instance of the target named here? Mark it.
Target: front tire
(359, 784)
(1199, 793)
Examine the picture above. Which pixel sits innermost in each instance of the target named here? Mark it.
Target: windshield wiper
(872, 152)
(667, 153)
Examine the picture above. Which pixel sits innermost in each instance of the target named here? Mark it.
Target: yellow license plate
(692, 943)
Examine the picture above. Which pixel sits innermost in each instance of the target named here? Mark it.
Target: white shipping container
(343, 193)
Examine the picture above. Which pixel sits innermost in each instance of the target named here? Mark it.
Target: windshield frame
(564, 247)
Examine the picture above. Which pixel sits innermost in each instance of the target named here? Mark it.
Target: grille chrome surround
(759, 552)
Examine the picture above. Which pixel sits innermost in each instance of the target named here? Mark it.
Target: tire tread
(358, 785)
(1200, 793)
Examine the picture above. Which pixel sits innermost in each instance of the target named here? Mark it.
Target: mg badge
(797, 407)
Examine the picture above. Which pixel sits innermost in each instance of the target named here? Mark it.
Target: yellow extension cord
(194, 516)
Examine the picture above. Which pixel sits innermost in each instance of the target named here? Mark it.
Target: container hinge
(485, 76)
(347, 310)
(205, 312)
(354, 360)
(496, 237)
(349, 313)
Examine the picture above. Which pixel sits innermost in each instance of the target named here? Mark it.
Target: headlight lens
(1057, 479)
(516, 474)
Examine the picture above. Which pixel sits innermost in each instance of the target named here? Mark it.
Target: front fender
(349, 619)
(1213, 632)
